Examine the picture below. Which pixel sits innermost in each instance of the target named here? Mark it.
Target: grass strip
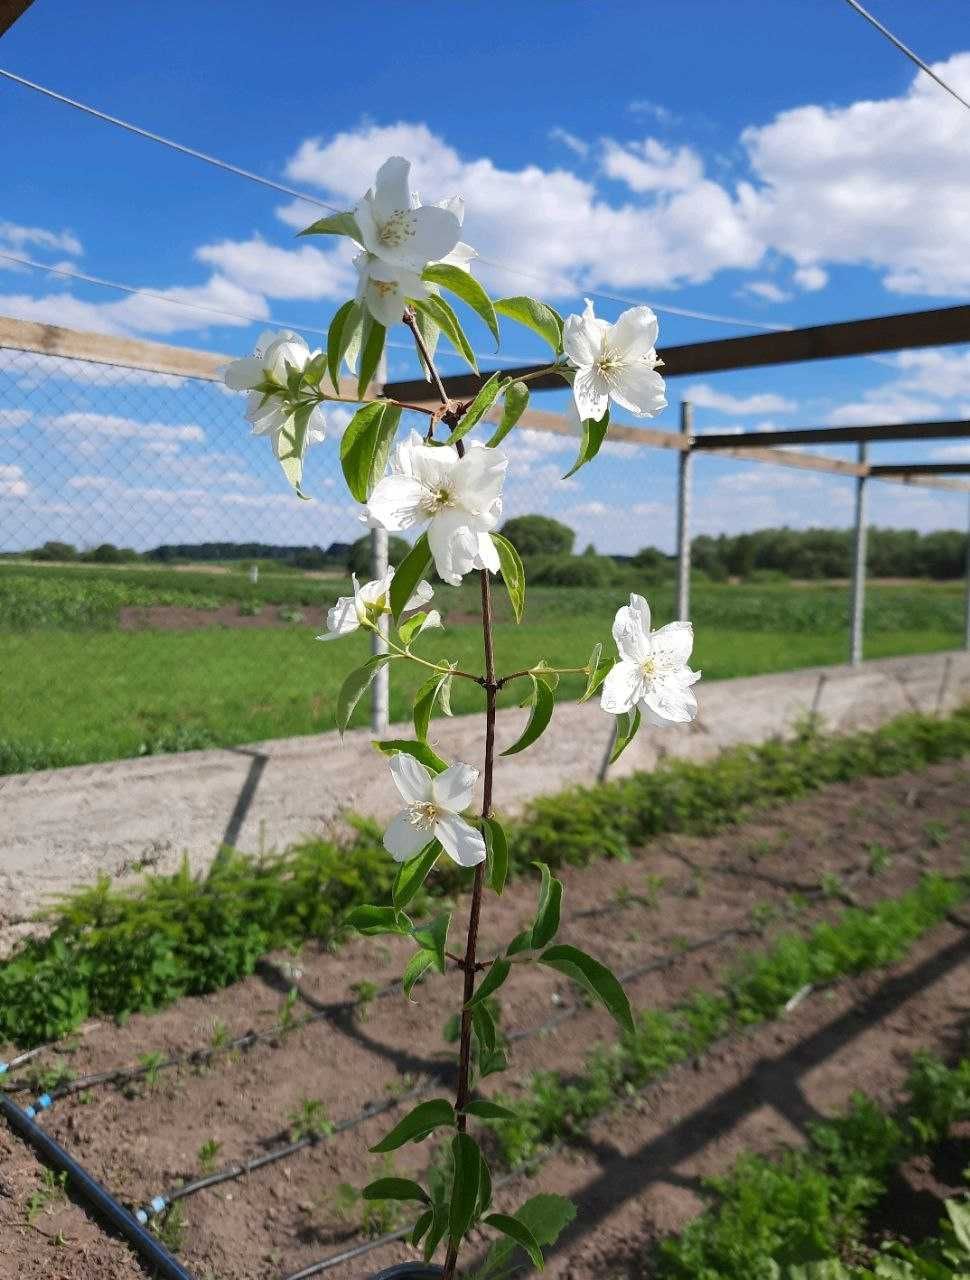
(113, 952)
(810, 1205)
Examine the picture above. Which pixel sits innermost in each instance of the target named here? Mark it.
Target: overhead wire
(907, 51)
(240, 172)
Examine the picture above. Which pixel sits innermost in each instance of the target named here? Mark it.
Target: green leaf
(468, 1181)
(594, 433)
(335, 224)
(516, 403)
(430, 333)
(490, 1063)
(519, 1232)
(346, 322)
(366, 446)
(418, 623)
(421, 1226)
(498, 971)
(371, 348)
(513, 573)
(355, 686)
(596, 672)
(464, 285)
(420, 750)
(521, 942)
(536, 316)
(543, 702)
(408, 574)
(437, 1232)
(438, 310)
(627, 725)
(546, 923)
(486, 1110)
(418, 965)
(373, 921)
(484, 1188)
(417, 1124)
(433, 937)
(497, 852)
(959, 1214)
(483, 1024)
(595, 977)
(395, 1189)
(487, 395)
(413, 873)
(545, 1216)
(424, 701)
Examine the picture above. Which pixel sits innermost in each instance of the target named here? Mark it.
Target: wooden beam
(928, 482)
(921, 469)
(802, 461)
(10, 11)
(953, 430)
(937, 328)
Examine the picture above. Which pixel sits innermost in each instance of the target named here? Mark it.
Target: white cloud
(656, 110)
(937, 373)
(650, 166)
(767, 291)
(882, 183)
(111, 426)
(810, 278)
(952, 453)
(17, 237)
(704, 396)
(11, 419)
(883, 405)
(577, 145)
(304, 272)
(12, 482)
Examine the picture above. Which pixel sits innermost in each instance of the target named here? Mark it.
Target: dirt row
(636, 1175)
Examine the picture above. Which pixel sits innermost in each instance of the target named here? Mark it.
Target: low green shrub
(571, 571)
(208, 931)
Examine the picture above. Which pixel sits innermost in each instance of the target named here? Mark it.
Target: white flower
(460, 499)
(433, 805)
(614, 362)
(384, 289)
(398, 229)
(274, 351)
(371, 600)
(652, 669)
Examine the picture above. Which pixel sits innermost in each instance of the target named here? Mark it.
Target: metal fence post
(685, 464)
(859, 564)
(380, 689)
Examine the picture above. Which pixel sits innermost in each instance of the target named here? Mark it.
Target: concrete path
(63, 827)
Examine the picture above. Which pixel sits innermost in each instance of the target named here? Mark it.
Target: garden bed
(684, 910)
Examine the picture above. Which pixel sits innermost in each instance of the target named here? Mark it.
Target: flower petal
(671, 646)
(242, 375)
(396, 503)
(460, 840)
(411, 778)
(582, 338)
(591, 392)
(454, 546)
(488, 557)
(478, 478)
(631, 630)
(623, 687)
(639, 388)
(671, 700)
(453, 788)
(422, 594)
(392, 188)
(342, 618)
(403, 839)
(634, 335)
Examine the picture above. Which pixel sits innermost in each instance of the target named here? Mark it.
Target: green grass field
(77, 690)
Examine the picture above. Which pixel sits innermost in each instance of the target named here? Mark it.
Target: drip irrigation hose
(92, 1192)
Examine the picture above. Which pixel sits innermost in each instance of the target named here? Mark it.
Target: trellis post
(685, 463)
(859, 563)
(966, 603)
(380, 689)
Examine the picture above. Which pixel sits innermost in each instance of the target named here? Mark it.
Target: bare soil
(636, 1174)
(171, 617)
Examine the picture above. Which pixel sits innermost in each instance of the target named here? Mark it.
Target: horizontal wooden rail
(920, 469)
(906, 431)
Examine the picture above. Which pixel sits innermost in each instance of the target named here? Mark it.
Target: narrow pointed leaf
(371, 350)
(414, 970)
(486, 1110)
(520, 1233)
(545, 1216)
(430, 333)
(420, 750)
(408, 574)
(395, 1189)
(484, 1188)
(355, 686)
(366, 446)
(483, 1024)
(417, 1124)
(434, 938)
(421, 1226)
(594, 433)
(413, 873)
(468, 1181)
(626, 730)
(437, 1233)
(437, 310)
(595, 977)
(335, 224)
(498, 971)
(536, 316)
(497, 853)
(373, 921)
(543, 702)
(592, 668)
(546, 923)
(345, 323)
(516, 403)
(424, 701)
(464, 285)
(487, 395)
(513, 573)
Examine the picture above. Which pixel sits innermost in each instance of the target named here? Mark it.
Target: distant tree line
(547, 547)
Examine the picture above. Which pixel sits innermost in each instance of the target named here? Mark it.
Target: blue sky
(776, 163)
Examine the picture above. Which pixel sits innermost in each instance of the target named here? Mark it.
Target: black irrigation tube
(93, 1192)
